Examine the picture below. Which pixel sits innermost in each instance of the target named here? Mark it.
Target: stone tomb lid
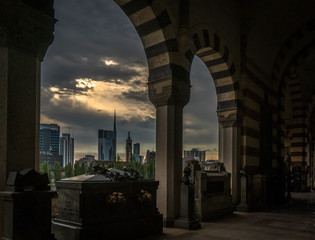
(87, 178)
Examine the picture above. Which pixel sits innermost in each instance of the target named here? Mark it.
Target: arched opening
(200, 117)
(219, 64)
(96, 65)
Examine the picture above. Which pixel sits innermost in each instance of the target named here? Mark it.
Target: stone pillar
(169, 97)
(229, 149)
(26, 30)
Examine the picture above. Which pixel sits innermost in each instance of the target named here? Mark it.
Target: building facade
(128, 148)
(136, 152)
(49, 138)
(49, 135)
(150, 156)
(196, 153)
(67, 149)
(107, 142)
(106, 149)
(51, 159)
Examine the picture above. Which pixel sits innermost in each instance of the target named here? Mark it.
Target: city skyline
(106, 69)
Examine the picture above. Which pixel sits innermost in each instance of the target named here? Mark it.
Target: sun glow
(109, 62)
(84, 83)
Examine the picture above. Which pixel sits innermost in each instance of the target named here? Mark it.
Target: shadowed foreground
(294, 221)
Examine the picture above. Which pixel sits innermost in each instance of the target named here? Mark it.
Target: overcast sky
(97, 64)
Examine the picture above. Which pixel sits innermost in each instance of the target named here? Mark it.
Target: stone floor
(294, 221)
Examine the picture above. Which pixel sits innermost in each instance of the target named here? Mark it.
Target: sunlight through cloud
(84, 83)
(109, 62)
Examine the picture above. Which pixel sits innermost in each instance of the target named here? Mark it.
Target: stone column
(26, 31)
(169, 97)
(229, 149)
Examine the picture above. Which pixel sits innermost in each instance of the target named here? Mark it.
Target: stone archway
(295, 79)
(169, 88)
(217, 57)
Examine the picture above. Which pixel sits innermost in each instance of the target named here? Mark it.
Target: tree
(57, 171)
(76, 169)
(103, 164)
(90, 168)
(151, 169)
(44, 167)
(82, 169)
(68, 171)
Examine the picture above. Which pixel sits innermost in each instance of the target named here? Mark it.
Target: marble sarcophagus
(96, 207)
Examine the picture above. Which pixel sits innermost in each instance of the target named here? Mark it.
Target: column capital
(230, 119)
(26, 27)
(169, 91)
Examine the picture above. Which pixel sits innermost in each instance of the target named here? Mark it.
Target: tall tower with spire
(128, 148)
(115, 137)
(107, 143)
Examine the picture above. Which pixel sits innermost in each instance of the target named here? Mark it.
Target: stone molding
(231, 120)
(25, 28)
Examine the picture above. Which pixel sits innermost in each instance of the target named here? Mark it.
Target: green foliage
(82, 169)
(44, 167)
(90, 168)
(78, 169)
(57, 171)
(146, 169)
(117, 165)
(103, 164)
(151, 169)
(68, 171)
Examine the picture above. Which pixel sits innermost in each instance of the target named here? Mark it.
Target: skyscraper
(115, 136)
(128, 148)
(106, 139)
(107, 143)
(67, 149)
(136, 152)
(49, 144)
(150, 156)
(49, 138)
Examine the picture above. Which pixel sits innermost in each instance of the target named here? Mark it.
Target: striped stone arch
(296, 128)
(285, 67)
(309, 113)
(211, 50)
(158, 38)
(304, 36)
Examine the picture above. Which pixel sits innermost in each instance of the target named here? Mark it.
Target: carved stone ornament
(160, 99)
(230, 121)
(171, 94)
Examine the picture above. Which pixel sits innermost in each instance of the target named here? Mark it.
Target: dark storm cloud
(136, 95)
(85, 122)
(87, 31)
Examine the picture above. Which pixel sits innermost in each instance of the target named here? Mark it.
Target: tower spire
(115, 138)
(114, 121)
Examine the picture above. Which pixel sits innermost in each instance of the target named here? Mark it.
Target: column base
(187, 224)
